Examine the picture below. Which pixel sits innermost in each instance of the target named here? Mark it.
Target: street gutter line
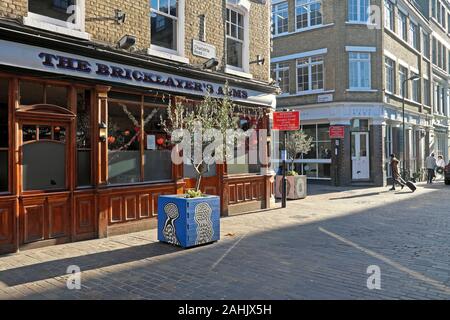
(227, 253)
(388, 261)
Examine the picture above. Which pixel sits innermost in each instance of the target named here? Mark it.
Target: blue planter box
(188, 222)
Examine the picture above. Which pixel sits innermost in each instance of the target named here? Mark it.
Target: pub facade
(83, 88)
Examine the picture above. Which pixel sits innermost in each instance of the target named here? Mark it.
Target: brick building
(344, 63)
(82, 154)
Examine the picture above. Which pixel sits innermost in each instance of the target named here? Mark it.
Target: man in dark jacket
(396, 178)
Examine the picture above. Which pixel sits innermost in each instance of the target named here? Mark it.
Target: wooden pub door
(45, 172)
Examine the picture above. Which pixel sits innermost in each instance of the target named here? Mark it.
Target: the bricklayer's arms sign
(40, 59)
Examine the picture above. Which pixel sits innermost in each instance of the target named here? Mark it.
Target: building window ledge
(361, 90)
(34, 21)
(169, 55)
(239, 73)
(303, 30)
(361, 23)
(305, 93)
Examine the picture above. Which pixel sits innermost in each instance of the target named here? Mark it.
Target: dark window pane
(31, 93)
(4, 171)
(59, 134)
(45, 133)
(158, 165)
(163, 31)
(323, 132)
(125, 96)
(56, 96)
(56, 9)
(325, 150)
(84, 138)
(29, 133)
(234, 53)
(44, 166)
(324, 170)
(124, 136)
(84, 168)
(83, 119)
(4, 113)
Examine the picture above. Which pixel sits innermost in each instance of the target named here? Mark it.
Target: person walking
(440, 166)
(431, 166)
(396, 178)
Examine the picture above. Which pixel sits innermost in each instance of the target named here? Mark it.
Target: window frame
(308, 4)
(359, 62)
(142, 106)
(51, 24)
(279, 67)
(413, 35)
(245, 69)
(389, 82)
(358, 6)
(166, 53)
(389, 23)
(276, 11)
(310, 64)
(402, 25)
(402, 76)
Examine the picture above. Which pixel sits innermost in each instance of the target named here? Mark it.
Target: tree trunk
(198, 183)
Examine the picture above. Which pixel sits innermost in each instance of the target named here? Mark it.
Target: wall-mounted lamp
(102, 131)
(119, 17)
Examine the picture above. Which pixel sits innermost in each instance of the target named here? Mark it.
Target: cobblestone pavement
(318, 248)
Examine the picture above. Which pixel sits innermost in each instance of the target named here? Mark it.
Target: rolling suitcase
(411, 186)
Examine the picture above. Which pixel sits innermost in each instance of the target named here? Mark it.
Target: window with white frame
(280, 18)
(310, 74)
(389, 15)
(414, 35)
(308, 13)
(415, 88)
(359, 70)
(164, 24)
(235, 38)
(402, 83)
(57, 15)
(280, 73)
(358, 10)
(389, 66)
(402, 27)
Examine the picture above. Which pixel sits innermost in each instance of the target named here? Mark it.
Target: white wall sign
(58, 62)
(202, 49)
(325, 98)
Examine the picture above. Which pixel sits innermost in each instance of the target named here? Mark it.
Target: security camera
(126, 42)
(211, 64)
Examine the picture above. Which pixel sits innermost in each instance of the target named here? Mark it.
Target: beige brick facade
(137, 23)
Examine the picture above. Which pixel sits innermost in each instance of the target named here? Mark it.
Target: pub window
(84, 147)
(157, 147)
(44, 157)
(134, 155)
(4, 135)
(124, 137)
(32, 93)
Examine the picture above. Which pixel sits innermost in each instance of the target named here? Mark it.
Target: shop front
(83, 153)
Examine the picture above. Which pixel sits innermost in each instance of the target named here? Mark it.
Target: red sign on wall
(337, 132)
(286, 121)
